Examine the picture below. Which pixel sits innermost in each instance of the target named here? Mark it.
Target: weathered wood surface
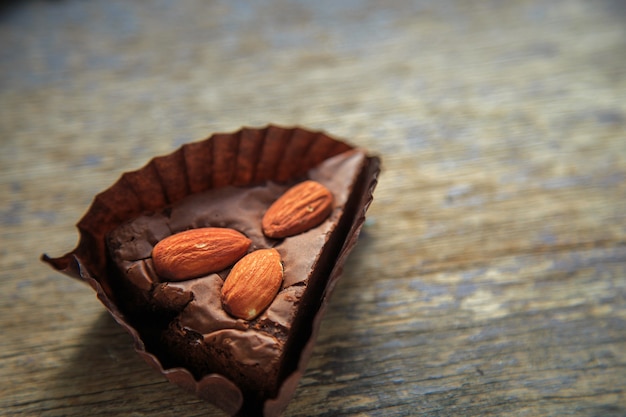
(491, 276)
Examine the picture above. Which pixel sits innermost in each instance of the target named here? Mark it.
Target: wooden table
(490, 279)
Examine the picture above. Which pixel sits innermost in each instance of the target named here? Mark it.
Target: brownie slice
(184, 324)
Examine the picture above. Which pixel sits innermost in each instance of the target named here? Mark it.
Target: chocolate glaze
(193, 330)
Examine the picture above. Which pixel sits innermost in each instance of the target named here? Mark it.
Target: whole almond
(299, 209)
(252, 284)
(196, 252)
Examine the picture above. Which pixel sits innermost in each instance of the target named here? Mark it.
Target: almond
(197, 252)
(299, 209)
(252, 284)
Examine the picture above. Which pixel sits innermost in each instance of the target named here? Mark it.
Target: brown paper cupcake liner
(247, 157)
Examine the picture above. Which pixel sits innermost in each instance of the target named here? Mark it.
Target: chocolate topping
(204, 313)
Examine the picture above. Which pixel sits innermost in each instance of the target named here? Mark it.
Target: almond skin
(252, 284)
(299, 209)
(196, 252)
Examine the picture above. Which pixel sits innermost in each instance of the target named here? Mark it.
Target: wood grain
(490, 278)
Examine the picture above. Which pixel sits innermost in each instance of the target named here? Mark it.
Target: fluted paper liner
(246, 157)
